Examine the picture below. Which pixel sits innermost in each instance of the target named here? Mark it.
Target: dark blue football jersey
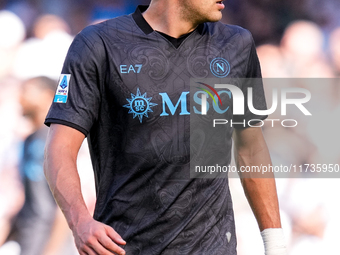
(126, 87)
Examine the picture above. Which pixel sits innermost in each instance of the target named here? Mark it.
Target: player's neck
(165, 17)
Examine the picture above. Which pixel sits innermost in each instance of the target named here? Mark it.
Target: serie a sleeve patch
(62, 89)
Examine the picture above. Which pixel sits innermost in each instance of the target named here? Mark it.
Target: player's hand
(95, 238)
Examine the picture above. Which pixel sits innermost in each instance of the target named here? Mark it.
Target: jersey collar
(140, 21)
(145, 27)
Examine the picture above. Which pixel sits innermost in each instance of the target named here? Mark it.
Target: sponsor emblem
(139, 105)
(62, 90)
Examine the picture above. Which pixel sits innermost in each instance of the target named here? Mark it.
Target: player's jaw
(200, 11)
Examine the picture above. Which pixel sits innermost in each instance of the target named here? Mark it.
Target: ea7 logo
(130, 68)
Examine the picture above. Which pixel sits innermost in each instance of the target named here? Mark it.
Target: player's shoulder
(105, 29)
(228, 31)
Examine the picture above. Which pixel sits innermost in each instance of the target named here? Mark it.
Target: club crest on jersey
(220, 67)
(62, 89)
(139, 105)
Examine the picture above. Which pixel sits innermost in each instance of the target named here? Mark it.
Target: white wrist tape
(274, 241)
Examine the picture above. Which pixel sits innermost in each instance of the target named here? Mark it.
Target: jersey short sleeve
(77, 98)
(253, 79)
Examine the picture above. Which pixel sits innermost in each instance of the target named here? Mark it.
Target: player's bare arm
(251, 150)
(91, 237)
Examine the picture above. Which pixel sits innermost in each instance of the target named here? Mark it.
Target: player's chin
(216, 17)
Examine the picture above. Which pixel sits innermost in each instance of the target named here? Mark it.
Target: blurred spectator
(44, 54)
(308, 203)
(14, 34)
(334, 44)
(302, 45)
(47, 24)
(32, 227)
(272, 61)
(12, 37)
(12, 130)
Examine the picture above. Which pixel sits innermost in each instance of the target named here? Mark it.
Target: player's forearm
(91, 236)
(62, 176)
(260, 192)
(64, 182)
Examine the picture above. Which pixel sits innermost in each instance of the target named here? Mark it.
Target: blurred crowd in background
(295, 39)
